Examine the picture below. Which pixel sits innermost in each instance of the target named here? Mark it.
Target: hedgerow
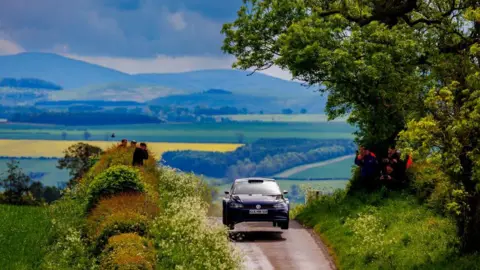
(128, 251)
(119, 217)
(114, 180)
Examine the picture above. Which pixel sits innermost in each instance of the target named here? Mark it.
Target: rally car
(256, 200)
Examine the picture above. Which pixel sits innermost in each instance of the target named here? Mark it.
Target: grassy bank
(385, 230)
(24, 236)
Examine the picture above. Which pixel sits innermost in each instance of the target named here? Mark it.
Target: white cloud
(9, 47)
(169, 64)
(177, 20)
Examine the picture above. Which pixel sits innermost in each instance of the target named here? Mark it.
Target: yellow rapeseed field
(43, 148)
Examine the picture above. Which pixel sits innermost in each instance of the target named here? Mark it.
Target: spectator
(123, 143)
(140, 154)
(133, 144)
(368, 167)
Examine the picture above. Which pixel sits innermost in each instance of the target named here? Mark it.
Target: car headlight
(236, 205)
(280, 205)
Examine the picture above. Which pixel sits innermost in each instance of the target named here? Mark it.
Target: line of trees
(29, 83)
(264, 157)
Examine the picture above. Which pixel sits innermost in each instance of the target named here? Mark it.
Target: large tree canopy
(376, 58)
(406, 70)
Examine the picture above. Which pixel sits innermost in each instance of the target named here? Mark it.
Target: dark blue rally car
(253, 200)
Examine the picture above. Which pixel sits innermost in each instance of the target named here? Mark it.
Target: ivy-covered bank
(121, 217)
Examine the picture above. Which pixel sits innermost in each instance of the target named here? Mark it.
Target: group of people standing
(389, 171)
(139, 155)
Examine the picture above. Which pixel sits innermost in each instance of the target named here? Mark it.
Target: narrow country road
(266, 247)
(305, 167)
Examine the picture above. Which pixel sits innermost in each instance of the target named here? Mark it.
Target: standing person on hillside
(133, 143)
(140, 154)
(368, 167)
(123, 143)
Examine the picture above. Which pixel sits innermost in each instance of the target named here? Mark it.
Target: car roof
(254, 178)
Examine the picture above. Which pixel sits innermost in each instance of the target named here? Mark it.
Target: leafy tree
(15, 185)
(78, 159)
(379, 60)
(303, 111)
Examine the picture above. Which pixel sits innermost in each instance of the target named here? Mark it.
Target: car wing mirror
(226, 192)
(285, 192)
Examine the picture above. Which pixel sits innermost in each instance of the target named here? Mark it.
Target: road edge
(323, 244)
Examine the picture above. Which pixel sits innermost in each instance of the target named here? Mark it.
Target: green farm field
(328, 185)
(195, 133)
(290, 118)
(340, 169)
(24, 236)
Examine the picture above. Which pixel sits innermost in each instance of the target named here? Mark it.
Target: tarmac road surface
(266, 247)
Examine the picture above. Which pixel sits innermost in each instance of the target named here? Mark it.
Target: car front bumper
(236, 215)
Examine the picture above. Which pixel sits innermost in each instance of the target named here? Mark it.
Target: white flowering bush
(186, 239)
(369, 231)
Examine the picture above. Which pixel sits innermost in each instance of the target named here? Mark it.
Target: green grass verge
(385, 230)
(334, 170)
(24, 236)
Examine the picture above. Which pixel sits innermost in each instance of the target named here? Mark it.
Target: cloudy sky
(133, 36)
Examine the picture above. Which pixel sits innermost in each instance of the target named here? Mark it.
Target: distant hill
(100, 103)
(220, 98)
(66, 72)
(30, 83)
(86, 81)
(235, 81)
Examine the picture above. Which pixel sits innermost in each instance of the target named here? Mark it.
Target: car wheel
(284, 225)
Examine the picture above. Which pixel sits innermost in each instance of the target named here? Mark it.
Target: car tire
(284, 225)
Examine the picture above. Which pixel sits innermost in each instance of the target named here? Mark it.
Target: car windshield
(265, 188)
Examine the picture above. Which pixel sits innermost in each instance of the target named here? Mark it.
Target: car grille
(254, 206)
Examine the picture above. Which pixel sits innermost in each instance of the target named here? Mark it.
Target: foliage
(99, 222)
(77, 159)
(186, 239)
(385, 230)
(68, 249)
(25, 232)
(262, 158)
(15, 185)
(114, 180)
(117, 223)
(128, 251)
(393, 65)
(44, 194)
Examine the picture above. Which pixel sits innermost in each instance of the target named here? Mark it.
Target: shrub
(186, 239)
(431, 185)
(117, 223)
(114, 180)
(69, 250)
(133, 203)
(174, 185)
(128, 251)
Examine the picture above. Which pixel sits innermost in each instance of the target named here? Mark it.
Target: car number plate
(259, 212)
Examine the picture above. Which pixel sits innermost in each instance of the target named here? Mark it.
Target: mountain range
(85, 81)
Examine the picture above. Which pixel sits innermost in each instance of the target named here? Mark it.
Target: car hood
(257, 198)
